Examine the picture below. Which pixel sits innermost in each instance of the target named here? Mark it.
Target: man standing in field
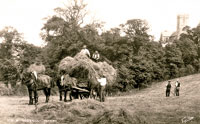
(102, 85)
(168, 88)
(177, 88)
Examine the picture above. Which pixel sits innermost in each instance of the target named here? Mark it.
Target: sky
(27, 16)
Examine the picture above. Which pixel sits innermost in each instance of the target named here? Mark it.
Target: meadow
(147, 106)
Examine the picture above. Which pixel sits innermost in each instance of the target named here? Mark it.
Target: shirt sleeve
(98, 56)
(88, 53)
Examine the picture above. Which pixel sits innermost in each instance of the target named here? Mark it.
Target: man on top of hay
(87, 71)
(85, 51)
(96, 56)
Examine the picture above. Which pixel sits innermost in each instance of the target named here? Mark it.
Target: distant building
(164, 37)
(182, 21)
(182, 25)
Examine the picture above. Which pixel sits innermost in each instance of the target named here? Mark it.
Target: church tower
(182, 21)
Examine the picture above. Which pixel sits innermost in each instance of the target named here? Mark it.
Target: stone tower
(182, 21)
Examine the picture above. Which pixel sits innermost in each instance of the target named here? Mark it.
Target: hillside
(149, 106)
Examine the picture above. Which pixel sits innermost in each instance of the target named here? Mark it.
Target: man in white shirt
(96, 56)
(103, 83)
(177, 88)
(85, 51)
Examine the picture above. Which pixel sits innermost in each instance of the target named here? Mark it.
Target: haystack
(82, 67)
(40, 68)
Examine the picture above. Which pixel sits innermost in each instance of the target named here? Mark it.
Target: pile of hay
(82, 67)
(87, 112)
(76, 112)
(120, 116)
(40, 68)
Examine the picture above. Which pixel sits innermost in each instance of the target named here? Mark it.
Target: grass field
(148, 106)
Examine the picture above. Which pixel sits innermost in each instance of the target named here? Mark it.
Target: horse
(35, 82)
(65, 83)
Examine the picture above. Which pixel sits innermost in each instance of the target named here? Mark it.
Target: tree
(9, 49)
(155, 53)
(65, 33)
(173, 60)
(9, 36)
(136, 30)
(62, 31)
(15, 54)
(188, 49)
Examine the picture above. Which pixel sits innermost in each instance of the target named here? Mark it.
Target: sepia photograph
(99, 62)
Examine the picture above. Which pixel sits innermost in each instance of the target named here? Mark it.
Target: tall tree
(65, 33)
(174, 60)
(62, 31)
(9, 49)
(137, 32)
(9, 36)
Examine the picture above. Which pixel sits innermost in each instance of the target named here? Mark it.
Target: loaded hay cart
(87, 72)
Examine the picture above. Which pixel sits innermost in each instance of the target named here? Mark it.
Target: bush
(190, 69)
(4, 90)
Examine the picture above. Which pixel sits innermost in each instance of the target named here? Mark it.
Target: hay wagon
(87, 72)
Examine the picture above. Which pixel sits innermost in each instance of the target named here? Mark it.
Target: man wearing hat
(102, 85)
(168, 88)
(85, 51)
(177, 88)
(96, 56)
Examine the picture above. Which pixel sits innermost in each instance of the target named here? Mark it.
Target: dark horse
(65, 83)
(36, 82)
(69, 85)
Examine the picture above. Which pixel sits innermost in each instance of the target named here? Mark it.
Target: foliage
(128, 47)
(15, 55)
(188, 49)
(8, 71)
(136, 30)
(138, 59)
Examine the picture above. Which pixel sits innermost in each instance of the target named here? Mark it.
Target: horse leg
(70, 95)
(30, 97)
(81, 95)
(77, 94)
(49, 93)
(36, 96)
(46, 94)
(60, 95)
(65, 95)
(90, 94)
(94, 94)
